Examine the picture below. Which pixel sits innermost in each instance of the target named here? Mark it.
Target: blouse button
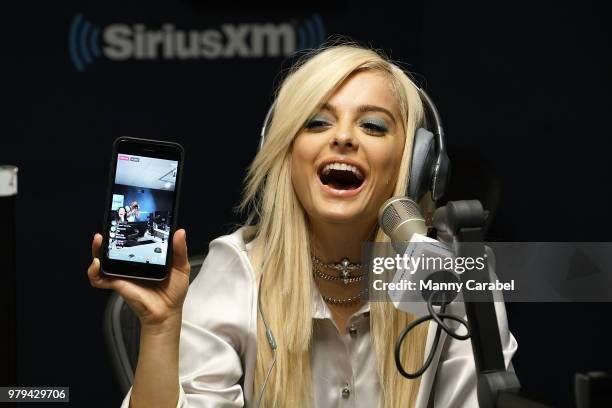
(353, 330)
(346, 391)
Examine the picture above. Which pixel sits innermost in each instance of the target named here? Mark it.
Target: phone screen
(143, 195)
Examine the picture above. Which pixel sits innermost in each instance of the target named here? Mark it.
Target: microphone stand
(496, 387)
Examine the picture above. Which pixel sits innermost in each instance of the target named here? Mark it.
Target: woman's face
(346, 158)
(121, 212)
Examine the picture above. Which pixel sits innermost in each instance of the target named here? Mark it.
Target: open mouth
(341, 176)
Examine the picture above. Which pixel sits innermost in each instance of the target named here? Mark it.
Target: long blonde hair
(281, 247)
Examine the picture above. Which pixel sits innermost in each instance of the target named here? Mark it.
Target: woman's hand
(158, 305)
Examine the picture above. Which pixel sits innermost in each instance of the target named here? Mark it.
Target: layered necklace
(348, 275)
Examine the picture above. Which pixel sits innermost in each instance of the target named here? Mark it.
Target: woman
(134, 212)
(338, 145)
(121, 215)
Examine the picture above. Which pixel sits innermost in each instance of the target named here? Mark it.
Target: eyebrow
(362, 109)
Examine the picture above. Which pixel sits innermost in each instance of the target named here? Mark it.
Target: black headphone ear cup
(440, 175)
(422, 164)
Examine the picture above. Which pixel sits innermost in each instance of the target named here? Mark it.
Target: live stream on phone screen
(143, 195)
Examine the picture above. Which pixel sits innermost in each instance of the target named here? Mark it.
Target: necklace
(334, 278)
(345, 301)
(344, 266)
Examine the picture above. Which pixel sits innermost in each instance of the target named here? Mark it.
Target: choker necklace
(345, 267)
(345, 301)
(334, 278)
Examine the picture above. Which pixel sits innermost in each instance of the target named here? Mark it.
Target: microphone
(463, 221)
(424, 258)
(400, 218)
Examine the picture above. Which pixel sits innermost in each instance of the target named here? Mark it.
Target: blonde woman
(134, 212)
(338, 145)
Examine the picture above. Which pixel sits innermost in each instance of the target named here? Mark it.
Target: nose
(344, 140)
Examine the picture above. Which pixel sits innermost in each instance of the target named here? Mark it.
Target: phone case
(111, 180)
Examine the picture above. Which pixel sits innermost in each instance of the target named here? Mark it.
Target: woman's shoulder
(237, 242)
(227, 259)
(229, 254)
(224, 292)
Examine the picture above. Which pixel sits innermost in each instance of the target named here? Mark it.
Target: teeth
(342, 167)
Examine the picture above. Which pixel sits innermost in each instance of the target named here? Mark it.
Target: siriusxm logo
(120, 42)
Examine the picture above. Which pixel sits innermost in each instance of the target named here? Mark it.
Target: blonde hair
(281, 247)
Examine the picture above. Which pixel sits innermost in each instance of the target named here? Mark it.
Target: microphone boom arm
(497, 387)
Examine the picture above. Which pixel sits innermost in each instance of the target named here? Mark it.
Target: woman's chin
(341, 213)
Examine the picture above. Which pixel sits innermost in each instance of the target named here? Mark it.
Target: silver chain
(346, 301)
(344, 266)
(334, 278)
(339, 266)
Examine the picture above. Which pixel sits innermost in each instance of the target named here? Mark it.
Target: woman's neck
(333, 242)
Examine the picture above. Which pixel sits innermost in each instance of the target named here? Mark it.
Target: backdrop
(523, 92)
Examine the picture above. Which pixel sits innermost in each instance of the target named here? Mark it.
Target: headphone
(429, 171)
(430, 165)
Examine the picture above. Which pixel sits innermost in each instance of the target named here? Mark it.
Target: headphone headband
(433, 117)
(264, 128)
(435, 162)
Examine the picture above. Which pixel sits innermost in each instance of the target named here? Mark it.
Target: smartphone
(141, 208)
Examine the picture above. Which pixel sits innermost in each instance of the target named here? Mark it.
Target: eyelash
(374, 128)
(316, 124)
(369, 127)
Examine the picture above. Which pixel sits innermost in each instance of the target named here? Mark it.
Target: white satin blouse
(218, 346)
